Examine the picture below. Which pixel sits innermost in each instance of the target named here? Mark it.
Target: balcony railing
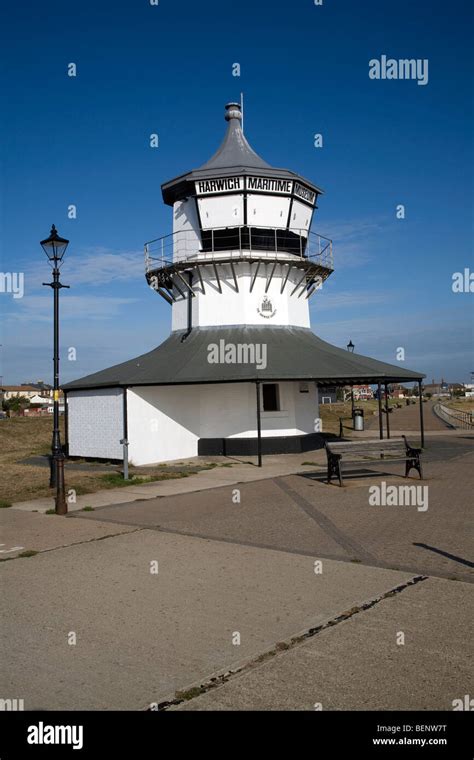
(234, 243)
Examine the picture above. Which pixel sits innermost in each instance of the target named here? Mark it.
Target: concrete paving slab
(142, 636)
(98, 499)
(358, 665)
(436, 541)
(264, 517)
(303, 514)
(23, 531)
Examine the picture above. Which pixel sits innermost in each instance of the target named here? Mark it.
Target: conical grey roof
(235, 150)
(234, 157)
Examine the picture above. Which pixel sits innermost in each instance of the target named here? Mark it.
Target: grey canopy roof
(234, 156)
(292, 353)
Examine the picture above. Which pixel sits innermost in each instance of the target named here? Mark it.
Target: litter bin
(358, 417)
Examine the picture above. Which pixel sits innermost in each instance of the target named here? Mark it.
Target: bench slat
(370, 442)
(368, 450)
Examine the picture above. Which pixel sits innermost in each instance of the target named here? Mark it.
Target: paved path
(231, 470)
(230, 569)
(302, 514)
(407, 419)
(357, 664)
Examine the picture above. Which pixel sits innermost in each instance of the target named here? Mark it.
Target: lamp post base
(61, 504)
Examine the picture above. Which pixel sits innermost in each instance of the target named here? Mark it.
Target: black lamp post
(350, 347)
(55, 248)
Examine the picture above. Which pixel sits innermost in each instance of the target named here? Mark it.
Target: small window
(271, 401)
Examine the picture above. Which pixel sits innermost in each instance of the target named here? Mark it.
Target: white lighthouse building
(239, 373)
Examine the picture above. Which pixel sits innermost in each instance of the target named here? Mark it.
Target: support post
(387, 410)
(66, 425)
(379, 394)
(124, 440)
(259, 425)
(422, 427)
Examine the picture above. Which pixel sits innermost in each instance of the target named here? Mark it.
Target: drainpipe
(190, 309)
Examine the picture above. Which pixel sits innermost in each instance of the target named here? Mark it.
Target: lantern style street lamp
(55, 248)
(350, 347)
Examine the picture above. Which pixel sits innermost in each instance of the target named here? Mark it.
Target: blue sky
(304, 70)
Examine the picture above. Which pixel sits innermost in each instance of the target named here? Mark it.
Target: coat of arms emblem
(266, 308)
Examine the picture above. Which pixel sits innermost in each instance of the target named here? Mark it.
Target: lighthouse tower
(241, 252)
(241, 370)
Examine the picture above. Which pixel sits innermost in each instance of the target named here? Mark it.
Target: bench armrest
(411, 448)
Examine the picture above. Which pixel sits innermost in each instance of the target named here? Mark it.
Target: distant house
(437, 389)
(398, 391)
(27, 390)
(468, 390)
(12, 391)
(39, 405)
(327, 394)
(363, 393)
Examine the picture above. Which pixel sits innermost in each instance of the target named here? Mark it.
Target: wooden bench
(363, 452)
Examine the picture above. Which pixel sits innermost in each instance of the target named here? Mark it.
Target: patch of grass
(282, 646)
(461, 404)
(50, 512)
(87, 509)
(24, 437)
(4, 504)
(28, 553)
(187, 694)
(115, 480)
(265, 656)
(310, 464)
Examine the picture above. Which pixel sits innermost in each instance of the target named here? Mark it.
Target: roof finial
(233, 111)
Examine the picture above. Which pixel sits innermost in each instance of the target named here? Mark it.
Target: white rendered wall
(244, 307)
(95, 423)
(163, 423)
(166, 422)
(186, 223)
